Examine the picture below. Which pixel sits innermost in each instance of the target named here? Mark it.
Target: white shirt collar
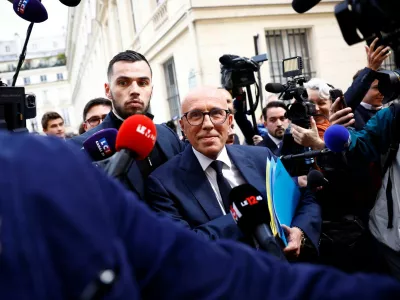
(274, 139)
(206, 161)
(118, 117)
(370, 107)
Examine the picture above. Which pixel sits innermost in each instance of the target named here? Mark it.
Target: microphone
(30, 10)
(250, 212)
(316, 179)
(337, 138)
(308, 154)
(135, 140)
(275, 88)
(70, 3)
(101, 145)
(301, 6)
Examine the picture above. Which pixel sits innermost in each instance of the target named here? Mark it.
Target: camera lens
(30, 101)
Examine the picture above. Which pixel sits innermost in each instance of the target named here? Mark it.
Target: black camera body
(302, 109)
(15, 108)
(237, 72)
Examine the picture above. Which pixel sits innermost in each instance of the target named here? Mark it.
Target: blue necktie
(223, 184)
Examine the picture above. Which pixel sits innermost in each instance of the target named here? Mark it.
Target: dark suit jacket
(180, 189)
(270, 144)
(167, 142)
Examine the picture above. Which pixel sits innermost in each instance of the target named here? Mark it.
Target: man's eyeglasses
(196, 117)
(95, 120)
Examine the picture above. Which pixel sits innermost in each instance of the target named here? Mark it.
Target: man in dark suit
(130, 88)
(276, 123)
(57, 242)
(192, 187)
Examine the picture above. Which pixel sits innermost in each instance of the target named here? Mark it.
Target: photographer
(363, 96)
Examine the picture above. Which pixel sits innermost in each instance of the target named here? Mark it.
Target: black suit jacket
(167, 143)
(180, 189)
(269, 143)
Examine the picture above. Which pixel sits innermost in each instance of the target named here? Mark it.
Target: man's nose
(207, 124)
(134, 87)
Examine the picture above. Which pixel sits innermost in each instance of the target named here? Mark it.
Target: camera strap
(393, 148)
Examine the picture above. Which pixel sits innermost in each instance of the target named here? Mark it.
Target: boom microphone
(30, 10)
(250, 212)
(275, 88)
(301, 6)
(70, 3)
(337, 138)
(135, 140)
(308, 154)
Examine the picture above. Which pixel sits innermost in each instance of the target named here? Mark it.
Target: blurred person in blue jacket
(81, 235)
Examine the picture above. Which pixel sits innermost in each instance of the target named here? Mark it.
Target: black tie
(223, 184)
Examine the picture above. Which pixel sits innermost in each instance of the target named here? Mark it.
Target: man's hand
(376, 56)
(302, 181)
(293, 236)
(307, 137)
(257, 139)
(339, 115)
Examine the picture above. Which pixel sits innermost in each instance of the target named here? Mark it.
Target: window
(60, 76)
(7, 48)
(285, 44)
(159, 2)
(65, 115)
(55, 44)
(34, 46)
(172, 87)
(43, 78)
(9, 82)
(27, 81)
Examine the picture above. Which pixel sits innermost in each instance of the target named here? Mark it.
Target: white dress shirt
(230, 172)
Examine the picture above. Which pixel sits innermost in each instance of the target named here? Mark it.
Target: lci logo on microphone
(103, 147)
(21, 6)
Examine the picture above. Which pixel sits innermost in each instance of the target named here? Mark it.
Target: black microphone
(301, 6)
(316, 179)
(251, 214)
(275, 88)
(308, 154)
(70, 3)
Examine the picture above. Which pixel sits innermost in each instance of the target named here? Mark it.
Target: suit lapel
(197, 182)
(247, 168)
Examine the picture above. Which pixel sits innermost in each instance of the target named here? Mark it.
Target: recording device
(135, 141)
(251, 214)
(308, 154)
(15, 108)
(30, 10)
(302, 109)
(316, 179)
(337, 138)
(338, 93)
(364, 20)
(238, 72)
(101, 146)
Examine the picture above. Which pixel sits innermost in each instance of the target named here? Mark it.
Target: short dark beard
(122, 113)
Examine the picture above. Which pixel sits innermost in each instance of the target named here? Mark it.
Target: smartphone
(338, 93)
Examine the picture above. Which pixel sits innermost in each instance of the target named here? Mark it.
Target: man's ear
(181, 123)
(85, 126)
(107, 90)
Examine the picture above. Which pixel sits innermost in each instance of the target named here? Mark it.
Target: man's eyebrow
(129, 78)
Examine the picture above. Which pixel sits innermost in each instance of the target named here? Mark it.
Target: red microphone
(135, 141)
